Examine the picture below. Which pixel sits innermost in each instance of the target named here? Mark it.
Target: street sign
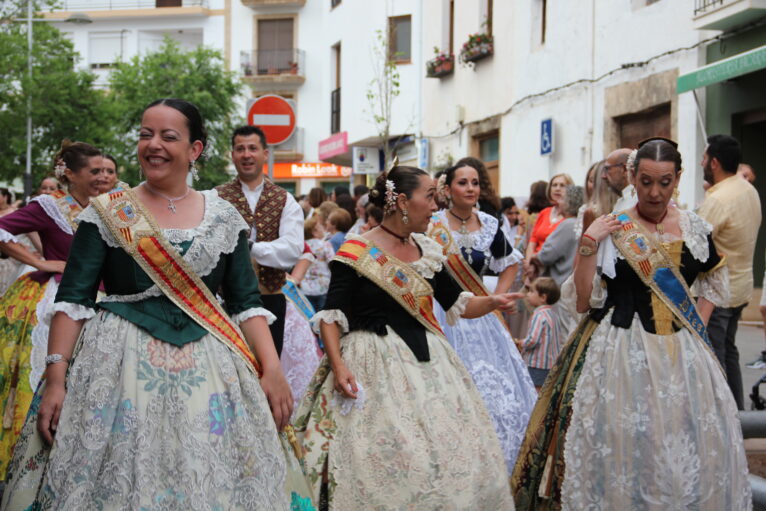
(275, 116)
(546, 137)
(366, 160)
(423, 154)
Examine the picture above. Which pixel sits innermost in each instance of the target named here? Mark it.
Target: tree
(64, 103)
(198, 76)
(383, 89)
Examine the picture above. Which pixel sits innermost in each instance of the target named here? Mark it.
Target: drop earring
(193, 170)
(405, 218)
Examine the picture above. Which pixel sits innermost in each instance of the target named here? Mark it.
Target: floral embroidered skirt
(488, 352)
(148, 425)
(23, 341)
(633, 420)
(300, 353)
(420, 438)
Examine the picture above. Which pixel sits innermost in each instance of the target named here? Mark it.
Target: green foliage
(63, 102)
(198, 76)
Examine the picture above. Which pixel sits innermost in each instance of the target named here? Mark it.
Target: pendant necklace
(463, 222)
(657, 223)
(402, 239)
(171, 200)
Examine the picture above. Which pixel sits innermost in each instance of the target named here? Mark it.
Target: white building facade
(604, 72)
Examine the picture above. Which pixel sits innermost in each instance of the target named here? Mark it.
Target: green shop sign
(725, 69)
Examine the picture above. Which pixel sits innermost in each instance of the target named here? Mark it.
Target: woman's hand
(506, 302)
(279, 395)
(602, 227)
(345, 383)
(50, 410)
(50, 266)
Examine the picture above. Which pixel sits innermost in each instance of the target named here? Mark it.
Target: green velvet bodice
(93, 261)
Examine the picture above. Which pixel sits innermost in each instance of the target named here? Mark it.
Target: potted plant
(293, 67)
(441, 65)
(477, 47)
(247, 69)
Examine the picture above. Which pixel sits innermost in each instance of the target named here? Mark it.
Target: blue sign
(546, 137)
(423, 154)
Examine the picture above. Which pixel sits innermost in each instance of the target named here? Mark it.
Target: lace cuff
(713, 287)
(74, 310)
(6, 237)
(499, 265)
(253, 312)
(458, 308)
(329, 316)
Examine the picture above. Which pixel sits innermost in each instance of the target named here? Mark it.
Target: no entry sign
(275, 116)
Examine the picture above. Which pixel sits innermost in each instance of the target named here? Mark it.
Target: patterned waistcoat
(266, 218)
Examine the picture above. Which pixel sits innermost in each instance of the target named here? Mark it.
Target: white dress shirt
(627, 201)
(283, 252)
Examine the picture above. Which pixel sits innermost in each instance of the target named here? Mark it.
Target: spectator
(324, 210)
(538, 198)
(360, 191)
(374, 216)
(594, 171)
(488, 200)
(110, 170)
(361, 216)
(616, 175)
(548, 219)
(338, 191)
(556, 257)
(316, 197)
(543, 343)
(514, 230)
(746, 172)
(733, 208)
(48, 185)
(346, 202)
(338, 224)
(316, 281)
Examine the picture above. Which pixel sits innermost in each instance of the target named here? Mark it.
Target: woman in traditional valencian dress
(392, 419)
(473, 242)
(636, 413)
(159, 405)
(27, 305)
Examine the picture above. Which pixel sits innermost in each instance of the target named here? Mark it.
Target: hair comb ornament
(59, 168)
(664, 139)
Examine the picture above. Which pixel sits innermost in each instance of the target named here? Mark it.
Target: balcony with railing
(726, 14)
(264, 69)
(273, 3)
(98, 5)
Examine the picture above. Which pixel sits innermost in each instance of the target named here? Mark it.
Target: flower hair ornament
(441, 189)
(59, 168)
(391, 197)
(631, 163)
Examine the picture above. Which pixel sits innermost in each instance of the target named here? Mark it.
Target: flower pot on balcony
(440, 66)
(477, 47)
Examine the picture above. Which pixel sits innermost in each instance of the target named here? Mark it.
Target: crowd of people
(419, 344)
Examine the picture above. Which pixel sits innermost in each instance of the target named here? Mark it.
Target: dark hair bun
(406, 180)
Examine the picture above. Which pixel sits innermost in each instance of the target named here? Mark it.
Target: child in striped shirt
(544, 340)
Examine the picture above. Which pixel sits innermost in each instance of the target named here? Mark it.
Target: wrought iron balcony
(99, 5)
(726, 14)
(263, 67)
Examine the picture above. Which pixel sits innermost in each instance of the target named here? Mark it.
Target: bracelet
(54, 358)
(586, 235)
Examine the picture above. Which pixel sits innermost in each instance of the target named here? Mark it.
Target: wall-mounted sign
(366, 160)
(333, 146)
(316, 170)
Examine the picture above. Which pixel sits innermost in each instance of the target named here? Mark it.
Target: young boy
(544, 340)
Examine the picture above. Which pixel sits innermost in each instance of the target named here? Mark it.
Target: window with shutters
(276, 54)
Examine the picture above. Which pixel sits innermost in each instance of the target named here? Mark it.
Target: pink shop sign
(334, 145)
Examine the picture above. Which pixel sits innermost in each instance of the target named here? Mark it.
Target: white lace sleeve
(329, 316)
(90, 215)
(6, 237)
(73, 310)
(433, 257)
(569, 294)
(499, 265)
(713, 286)
(458, 308)
(253, 312)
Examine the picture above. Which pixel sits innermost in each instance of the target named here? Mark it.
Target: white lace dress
(653, 424)
(418, 436)
(486, 348)
(151, 425)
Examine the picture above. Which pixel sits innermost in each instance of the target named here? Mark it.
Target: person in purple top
(27, 305)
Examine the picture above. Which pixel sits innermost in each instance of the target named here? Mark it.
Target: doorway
(750, 130)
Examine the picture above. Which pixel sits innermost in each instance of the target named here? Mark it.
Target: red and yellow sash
(457, 266)
(68, 206)
(137, 233)
(395, 277)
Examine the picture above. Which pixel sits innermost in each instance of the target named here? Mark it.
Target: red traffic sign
(275, 116)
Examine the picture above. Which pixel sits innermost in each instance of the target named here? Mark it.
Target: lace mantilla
(694, 232)
(458, 308)
(329, 316)
(253, 312)
(713, 287)
(6, 237)
(217, 234)
(50, 207)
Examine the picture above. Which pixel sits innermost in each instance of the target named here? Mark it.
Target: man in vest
(274, 217)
